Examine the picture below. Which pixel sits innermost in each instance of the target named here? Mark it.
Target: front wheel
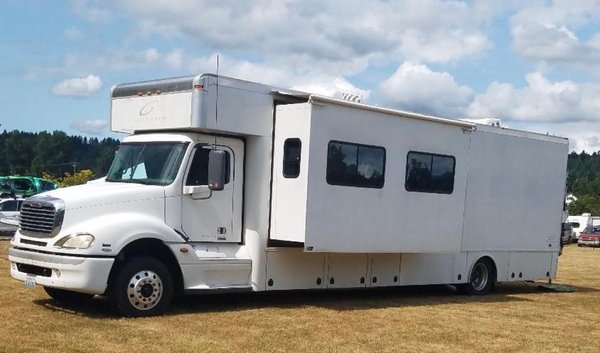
(482, 278)
(142, 286)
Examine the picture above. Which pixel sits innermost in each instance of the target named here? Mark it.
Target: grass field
(515, 318)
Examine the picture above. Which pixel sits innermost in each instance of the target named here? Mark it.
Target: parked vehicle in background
(567, 234)
(579, 223)
(24, 186)
(589, 237)
(9, 215)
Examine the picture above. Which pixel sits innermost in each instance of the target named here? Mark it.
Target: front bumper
(592, 242)
(79, 274)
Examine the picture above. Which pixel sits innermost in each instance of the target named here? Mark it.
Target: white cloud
(335, 31)
(312, 80)
(443, 46)
(78, 87)
(174, 59)
(542, 105)
(541, 100)
(549, 33)
(151, 55)
(553, 44)
(107, 60)
(92, 127)
(415, 87)
(582, 135)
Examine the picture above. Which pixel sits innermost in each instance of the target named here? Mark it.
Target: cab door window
(198, 173)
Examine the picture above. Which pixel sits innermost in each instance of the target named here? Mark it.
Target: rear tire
(482, 278)
(142, 286)
(67, 296)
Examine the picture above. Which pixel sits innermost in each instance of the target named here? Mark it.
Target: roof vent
(486, 121)
(348, 96)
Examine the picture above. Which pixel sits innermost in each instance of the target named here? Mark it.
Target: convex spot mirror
(217, 169)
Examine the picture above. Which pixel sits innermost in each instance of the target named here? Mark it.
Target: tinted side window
(427, 172)
(198, 173)
(352, 164)
(23, 185)
(292, 149)
(47, 185)
(9, 206)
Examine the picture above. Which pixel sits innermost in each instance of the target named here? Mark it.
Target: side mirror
(217, 169)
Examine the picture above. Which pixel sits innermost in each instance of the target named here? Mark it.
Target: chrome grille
(41, 217)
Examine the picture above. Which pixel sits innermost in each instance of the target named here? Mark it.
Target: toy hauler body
(316, 193)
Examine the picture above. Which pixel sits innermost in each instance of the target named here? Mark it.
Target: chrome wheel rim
(144, 290)
(480, 276)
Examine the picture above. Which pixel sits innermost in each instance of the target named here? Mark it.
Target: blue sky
(532, 64)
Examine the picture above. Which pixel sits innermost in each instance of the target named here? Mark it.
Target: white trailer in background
(265, 189)
(579, 223)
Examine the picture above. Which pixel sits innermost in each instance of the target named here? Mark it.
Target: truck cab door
(213, 216)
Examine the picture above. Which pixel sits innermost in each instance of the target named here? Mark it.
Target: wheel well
(154, 248)
(491, 262)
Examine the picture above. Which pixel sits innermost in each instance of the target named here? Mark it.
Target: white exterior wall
(514, 199)
(156, 112)
(256, 206)
(243, 107)
(288, 207)
(510, 182)
(363, 220)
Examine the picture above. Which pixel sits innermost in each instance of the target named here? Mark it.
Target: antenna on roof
(217, 158)
(217, 105)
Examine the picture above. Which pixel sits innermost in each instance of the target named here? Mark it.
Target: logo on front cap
(148, 108)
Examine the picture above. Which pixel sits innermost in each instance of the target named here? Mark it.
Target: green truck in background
(24, 186)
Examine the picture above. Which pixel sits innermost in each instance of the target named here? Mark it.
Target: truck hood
(103, 193)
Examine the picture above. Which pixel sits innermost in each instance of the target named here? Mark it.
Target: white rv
(579, 223)
(232, 185)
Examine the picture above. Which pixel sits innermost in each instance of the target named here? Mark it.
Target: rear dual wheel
(481, 279)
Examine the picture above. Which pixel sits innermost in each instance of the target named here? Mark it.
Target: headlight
(75, 241)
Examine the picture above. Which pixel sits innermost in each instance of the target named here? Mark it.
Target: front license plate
(30, 282)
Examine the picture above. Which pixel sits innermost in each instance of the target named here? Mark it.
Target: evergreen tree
(53, 153)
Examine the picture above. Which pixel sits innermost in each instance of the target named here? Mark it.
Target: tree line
(583, 181)
(54, 153)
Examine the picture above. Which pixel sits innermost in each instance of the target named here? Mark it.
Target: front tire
(142, 286)
(482, 278)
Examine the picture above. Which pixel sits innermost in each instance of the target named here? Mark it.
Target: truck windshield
(147, 163)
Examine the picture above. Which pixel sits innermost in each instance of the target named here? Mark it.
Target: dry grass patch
(515, 318)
